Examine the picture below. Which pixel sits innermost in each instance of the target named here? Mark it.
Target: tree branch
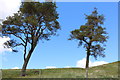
(85, 41)
(41, 32)
(25, 47)
(19, 37)
(38, 31)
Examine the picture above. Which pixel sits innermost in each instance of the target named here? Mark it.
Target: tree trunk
(87, 62)
(23, 73)
(86, 72)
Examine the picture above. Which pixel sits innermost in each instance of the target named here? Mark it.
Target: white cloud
(67, 67)
(98, 63)
(15, 68)
(2, 41)
(82, 63)
(50, 67)
(8, 7)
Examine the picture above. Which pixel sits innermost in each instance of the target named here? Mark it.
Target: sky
(76, 0)
(59, 52)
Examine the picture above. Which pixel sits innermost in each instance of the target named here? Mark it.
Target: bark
(87, 65)
(87, 60)
(86, 72)
(23, 72)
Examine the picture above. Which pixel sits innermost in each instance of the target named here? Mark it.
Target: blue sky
(59, 52)
(76, 0)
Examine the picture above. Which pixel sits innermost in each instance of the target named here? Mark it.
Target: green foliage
(33, 22)
(0, 30)
(92, 35)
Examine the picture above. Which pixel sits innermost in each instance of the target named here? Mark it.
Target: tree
(92, 36)
(1, 27)
(0, 30)
(34, 21)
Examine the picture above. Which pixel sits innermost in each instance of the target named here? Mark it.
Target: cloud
(67, 67)
(15, 68)
(82, 63)
(50, 67)
(98, 63)
(8, 7)
(2, 41)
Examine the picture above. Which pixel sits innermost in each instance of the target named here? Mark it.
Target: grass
(103, 71)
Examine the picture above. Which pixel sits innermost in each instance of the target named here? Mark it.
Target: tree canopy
(92, 34)
(33, 22)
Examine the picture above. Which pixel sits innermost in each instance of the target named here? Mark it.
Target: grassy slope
(104, 71)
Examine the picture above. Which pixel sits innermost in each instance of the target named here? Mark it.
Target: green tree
(34, 21)
(1, 27)
(0, 30)
(92, 36)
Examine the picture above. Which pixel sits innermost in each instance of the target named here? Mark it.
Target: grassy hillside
(104, 71)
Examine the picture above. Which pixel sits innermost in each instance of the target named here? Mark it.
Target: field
(103, 71)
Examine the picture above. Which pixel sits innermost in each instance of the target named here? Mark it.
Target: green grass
(104, 71)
